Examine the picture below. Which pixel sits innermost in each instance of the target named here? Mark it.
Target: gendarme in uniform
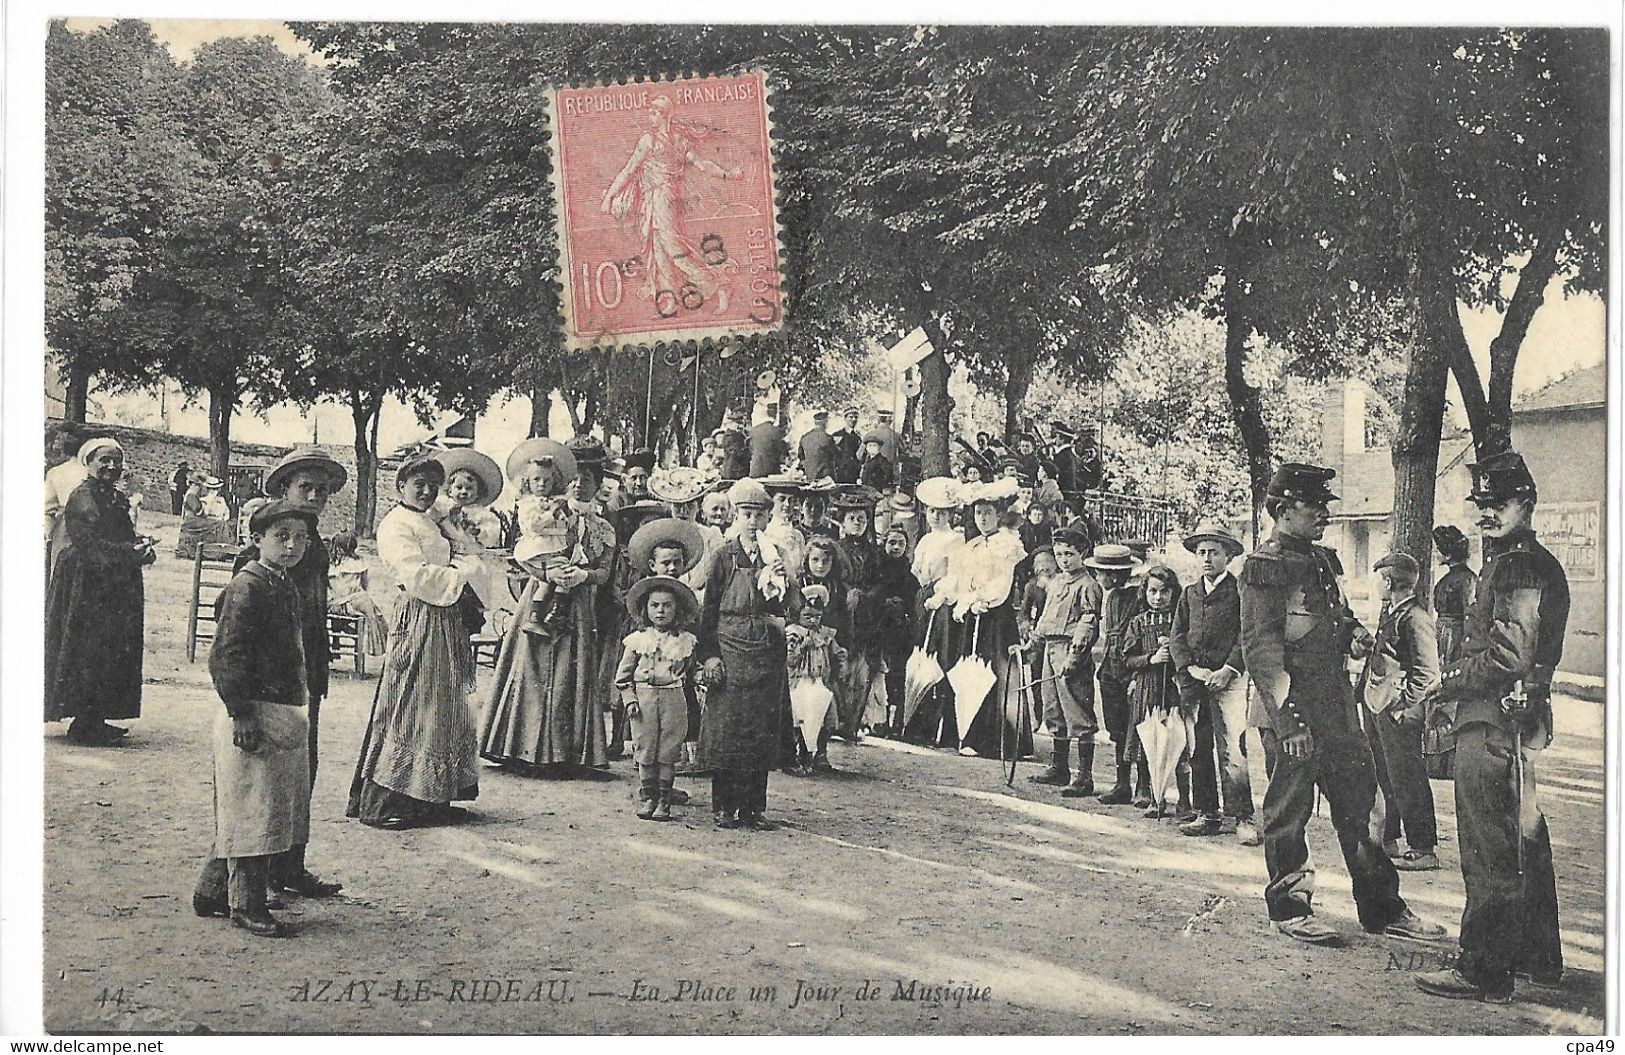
(1297, 634)
(1513, 637)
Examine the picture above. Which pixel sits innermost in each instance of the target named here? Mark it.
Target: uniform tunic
(1514, 632)
(94, 611)
(1296, 630)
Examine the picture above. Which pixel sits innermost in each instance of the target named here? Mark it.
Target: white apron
(262, 798)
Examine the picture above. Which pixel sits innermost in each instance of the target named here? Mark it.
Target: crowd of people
(735, 616)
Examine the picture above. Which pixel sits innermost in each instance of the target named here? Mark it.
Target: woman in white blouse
(977, 590)
(936, 631)
(420, 753)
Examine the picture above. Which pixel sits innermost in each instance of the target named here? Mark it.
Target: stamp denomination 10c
(665, 206)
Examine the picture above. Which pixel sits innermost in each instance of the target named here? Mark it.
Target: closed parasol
(809, 703)
(970, 679)
(1163, 737)
(920, 674)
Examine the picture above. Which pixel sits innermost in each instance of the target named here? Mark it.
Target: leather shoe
(396, 824)
(1203, 825)
(1306, 929)
(210, 908)
(724, 819)
(1412, 927)
(757, 823)
(260, 925)
(1417, 861)
(307, 885)
(1453, 985)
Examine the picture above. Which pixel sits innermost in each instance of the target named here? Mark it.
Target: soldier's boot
(1057, 775)
(1083, 780)
(1119, 795)
(662, 810)
(1142, 784)
(649, 793)
(820, 760)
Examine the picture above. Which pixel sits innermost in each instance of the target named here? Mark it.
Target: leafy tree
(208, 311)
(119, 171)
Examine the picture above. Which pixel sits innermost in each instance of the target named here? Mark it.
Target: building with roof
(1562, 432)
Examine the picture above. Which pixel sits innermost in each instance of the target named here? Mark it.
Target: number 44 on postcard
(666, 212)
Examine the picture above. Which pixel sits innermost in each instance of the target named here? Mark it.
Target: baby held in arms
(548, 540)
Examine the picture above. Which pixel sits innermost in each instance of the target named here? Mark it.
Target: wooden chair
(211, 571)
(346, 636)
(488, 642)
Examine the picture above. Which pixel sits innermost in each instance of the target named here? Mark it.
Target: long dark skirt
(933, 721)
(544, 710)
(94, 622)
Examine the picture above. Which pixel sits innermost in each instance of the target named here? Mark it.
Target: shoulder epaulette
(1266, 569)
(1517, 569)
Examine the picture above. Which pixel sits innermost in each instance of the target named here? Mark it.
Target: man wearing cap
(1403, 667)
(1500, 690)
(767, 447)
(1206, 648)
(848, 444)
(1297, 632)
(878, 470)
(817, 449)
(306, 476)
(1113, 567)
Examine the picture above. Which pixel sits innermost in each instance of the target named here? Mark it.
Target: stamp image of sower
(666, 210)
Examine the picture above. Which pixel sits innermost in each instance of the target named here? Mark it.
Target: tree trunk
(1415, 455)
(1527, 298)
(364, 412)
(77, 396)
(936, 405)
(541, 406)
(222, 402)
(1246, 403)
(1021, 368)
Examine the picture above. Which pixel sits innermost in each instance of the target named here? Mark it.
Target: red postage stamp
(666, 212)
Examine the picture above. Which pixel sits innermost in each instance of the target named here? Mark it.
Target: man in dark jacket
(1297, 633)
(1402, 668)
(767, 446)
(849, 441)
(1500, 690)
(1206, 649)
(817, 449)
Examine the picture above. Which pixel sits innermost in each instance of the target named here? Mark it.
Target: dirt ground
(910, 893)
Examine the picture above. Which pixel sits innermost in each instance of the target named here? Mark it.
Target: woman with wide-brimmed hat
(977, 592)
(545, 713)
(942, 497)
(419, 755)
(94, 615)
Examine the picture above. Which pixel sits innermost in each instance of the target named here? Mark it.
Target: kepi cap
(1500, 477)
(1304, 483)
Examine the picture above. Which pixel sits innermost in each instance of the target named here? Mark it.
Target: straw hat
(539, 448)
(681, 484)
(306, 457)
(483, 467)
(665, 531)
(639, 593)
(940, 492)
(1111, 557)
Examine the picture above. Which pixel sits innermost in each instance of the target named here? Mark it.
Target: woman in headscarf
(94, 617)
(419, 753)
(544, 716)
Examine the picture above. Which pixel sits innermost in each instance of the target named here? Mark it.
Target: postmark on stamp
(666, 210)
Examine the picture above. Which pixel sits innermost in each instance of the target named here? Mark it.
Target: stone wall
(150, 458)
